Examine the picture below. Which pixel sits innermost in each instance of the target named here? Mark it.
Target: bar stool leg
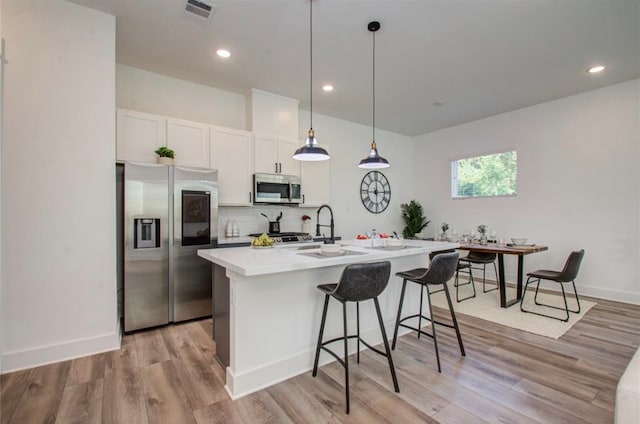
(358, 331)
(386, 346)
(453, 318)
(433, 328)
(395, 331)
(346, 354)
(322, 321)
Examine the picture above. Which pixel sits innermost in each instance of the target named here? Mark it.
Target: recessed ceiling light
(327, 87)
(595, 69)
(223, 53)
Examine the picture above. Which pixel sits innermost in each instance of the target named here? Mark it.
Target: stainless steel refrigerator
(167, 214)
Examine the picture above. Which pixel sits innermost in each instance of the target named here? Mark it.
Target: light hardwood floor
(168, 375)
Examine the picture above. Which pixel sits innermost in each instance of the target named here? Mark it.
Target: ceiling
(439, 63)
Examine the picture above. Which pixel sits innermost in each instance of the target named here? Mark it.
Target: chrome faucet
(333, 238)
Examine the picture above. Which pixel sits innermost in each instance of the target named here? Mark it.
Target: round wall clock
(375, 192)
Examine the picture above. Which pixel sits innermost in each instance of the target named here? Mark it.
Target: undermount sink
(307, 247)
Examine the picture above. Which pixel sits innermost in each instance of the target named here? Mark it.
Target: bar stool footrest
(354, 336)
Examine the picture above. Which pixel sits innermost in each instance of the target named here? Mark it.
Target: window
(481, 176)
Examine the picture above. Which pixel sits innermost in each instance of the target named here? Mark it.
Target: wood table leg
(518, 286)
(520, 271)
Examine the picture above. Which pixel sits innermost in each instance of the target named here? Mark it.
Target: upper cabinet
(315, 181)
(190, 142)
(273, 155)
(139, 135)
(236, 154)
(286, 149)
(231, 154)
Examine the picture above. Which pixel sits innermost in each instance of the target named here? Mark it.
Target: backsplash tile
(250, 221)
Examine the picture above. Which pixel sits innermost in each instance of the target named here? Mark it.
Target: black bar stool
(484, 259)
(359, 282)
(442, 269)
(464, 267)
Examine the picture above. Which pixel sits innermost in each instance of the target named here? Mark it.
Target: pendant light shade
(310, 151)
(374, 160)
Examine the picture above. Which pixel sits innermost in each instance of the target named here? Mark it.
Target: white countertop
(249, 261)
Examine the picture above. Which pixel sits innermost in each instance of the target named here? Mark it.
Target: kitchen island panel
(274, 318)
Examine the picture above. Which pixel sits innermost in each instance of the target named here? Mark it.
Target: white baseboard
(610, 294)
(44, 355)
(591, 291)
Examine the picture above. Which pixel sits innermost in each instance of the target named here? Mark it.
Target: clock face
(375, 192)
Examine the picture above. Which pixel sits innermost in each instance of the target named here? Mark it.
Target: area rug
(486, 306)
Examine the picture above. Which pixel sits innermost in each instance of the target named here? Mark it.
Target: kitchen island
(267, 309)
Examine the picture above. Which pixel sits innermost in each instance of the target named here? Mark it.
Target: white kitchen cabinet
(273, 155)
(139, 135)
(231, 154)
(286, 149)
(190, 142)
(315, 182)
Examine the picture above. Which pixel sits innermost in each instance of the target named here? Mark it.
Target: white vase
(306, 227)
(165, 160)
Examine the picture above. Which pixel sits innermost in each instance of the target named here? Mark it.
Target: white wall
(578, 184)
(58, 193)
(154, 93)
(348, 143)
(1, 126)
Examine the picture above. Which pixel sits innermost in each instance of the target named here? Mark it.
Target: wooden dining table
(501, 250)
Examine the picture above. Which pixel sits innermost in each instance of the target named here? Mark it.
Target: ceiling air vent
(199, 9)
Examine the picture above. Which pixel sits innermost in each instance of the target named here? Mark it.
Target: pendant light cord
(311, 64)
(374, 86)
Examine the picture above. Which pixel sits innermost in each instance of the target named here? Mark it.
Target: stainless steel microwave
(276, 188)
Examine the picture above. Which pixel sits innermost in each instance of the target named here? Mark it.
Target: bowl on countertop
(394, 242)
(330, 248)
(519, 241)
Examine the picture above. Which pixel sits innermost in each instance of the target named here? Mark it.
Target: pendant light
(374, 160)
(310, 151)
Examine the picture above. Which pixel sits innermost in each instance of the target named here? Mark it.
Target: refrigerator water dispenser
(147, 233)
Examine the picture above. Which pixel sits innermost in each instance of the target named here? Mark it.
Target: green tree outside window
(489, 175)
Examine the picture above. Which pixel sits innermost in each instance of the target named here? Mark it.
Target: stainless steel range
(283, 238)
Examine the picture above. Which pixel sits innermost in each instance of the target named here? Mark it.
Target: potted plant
(414, 219)
(165, 155)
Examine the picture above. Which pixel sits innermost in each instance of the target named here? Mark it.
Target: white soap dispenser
(228, 232)
(235, 230)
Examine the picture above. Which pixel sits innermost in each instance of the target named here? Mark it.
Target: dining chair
(466, 268)
(567, 275)
(484, 259)
(441, 270)
(359, 282)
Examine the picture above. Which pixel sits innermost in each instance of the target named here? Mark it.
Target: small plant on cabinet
(165, 152)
